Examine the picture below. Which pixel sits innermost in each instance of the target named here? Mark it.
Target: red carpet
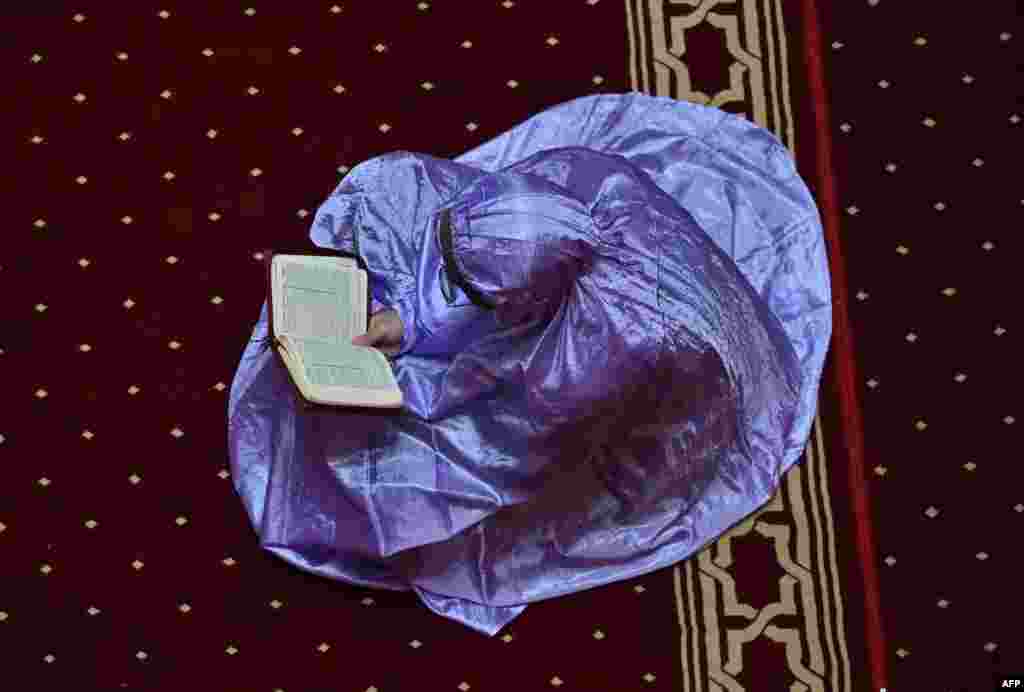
(925, 122)
(843, 366)
(155, 153)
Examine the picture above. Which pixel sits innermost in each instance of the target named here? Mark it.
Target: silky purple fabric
(650, 367)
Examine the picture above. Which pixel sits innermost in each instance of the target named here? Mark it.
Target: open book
(317, 305)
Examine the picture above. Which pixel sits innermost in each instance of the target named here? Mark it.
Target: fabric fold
(614, 362)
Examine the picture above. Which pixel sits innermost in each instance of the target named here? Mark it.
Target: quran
(317, 304)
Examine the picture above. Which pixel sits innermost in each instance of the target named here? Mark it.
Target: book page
(319, 305)
(337, 365)
(319, 301)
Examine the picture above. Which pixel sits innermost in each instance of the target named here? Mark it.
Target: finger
(363, 339)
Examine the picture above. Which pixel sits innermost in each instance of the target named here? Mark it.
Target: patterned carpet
(926, 128)
(156, 151)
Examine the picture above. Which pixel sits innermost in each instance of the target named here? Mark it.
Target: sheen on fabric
(645, 368)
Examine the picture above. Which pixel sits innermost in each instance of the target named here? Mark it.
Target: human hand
(385, 333)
